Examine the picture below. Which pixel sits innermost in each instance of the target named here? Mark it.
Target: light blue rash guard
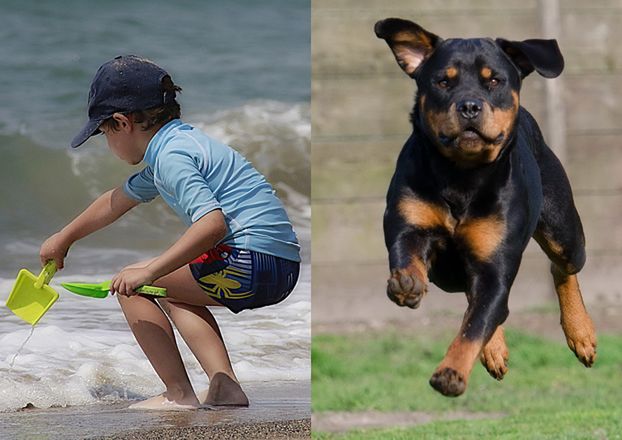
(196, 174)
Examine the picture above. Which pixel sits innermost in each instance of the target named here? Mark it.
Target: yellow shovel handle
(46, 274)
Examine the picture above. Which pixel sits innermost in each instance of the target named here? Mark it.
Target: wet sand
(277, 411)
(290, 429)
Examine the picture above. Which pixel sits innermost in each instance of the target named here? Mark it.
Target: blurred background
(361, 102)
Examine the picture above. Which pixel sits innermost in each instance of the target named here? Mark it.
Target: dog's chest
(465, 221)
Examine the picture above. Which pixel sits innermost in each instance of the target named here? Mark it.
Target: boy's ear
(542, 55)
(410, 43)
(123, 121)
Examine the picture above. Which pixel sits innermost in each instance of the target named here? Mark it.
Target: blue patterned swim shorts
(241, 279)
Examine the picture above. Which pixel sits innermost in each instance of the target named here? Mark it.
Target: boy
(239, 251)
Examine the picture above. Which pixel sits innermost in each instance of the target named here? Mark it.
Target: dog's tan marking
(555, 247)
(451, 72)
(418, 268)
(486, 72)
(554, 251)
(483, 236)
(499, 120)
(425, 215)
(461, 356)
(452, 375)
(495, 122)
(495, 355)
(445, 122)
(576, 323)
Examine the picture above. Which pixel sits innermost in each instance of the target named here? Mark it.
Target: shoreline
(277, 410)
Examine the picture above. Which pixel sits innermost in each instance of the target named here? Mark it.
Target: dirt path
(345, 421)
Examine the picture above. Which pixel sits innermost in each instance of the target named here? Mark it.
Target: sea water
(244, 68)
(82, 351)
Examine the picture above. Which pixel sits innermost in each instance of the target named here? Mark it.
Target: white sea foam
(82, 352)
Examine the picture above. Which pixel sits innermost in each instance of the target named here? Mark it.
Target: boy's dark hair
(152, 117)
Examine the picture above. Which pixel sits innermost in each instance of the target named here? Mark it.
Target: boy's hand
(129, 279)
(54, 248)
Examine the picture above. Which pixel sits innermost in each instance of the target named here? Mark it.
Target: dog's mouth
(470, 138)
(471, 132)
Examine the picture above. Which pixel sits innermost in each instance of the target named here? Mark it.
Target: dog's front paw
(448, 382)
(405, 289)
(581, 339)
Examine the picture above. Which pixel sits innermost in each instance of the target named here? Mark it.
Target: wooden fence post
(555, 108)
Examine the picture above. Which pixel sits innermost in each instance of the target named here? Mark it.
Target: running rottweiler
(473, 183)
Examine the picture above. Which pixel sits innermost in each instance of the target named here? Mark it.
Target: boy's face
(123, 142)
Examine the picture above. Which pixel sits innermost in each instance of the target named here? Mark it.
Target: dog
(473, 183)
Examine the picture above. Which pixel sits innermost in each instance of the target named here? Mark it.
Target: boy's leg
(185, 305)
(154, 334)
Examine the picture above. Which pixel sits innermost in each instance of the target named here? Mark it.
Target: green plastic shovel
(102, 290)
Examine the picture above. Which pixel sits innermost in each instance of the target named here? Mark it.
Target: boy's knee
(122, 299)
(126, 300)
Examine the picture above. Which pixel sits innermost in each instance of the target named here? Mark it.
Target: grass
(546, 394)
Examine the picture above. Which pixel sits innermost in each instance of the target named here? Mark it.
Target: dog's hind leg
(575, 321)
(560, 235)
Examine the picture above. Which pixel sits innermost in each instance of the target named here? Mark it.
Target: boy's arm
(103, 211)
(203, 235)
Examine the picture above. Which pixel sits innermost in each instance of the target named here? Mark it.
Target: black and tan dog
(474, 182)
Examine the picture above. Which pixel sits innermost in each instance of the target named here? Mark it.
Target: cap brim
(91, 127)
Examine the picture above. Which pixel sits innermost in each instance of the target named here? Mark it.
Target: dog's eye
(493, 82)
(443, 84)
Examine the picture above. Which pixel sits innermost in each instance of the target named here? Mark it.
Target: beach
(291, 429)
(277, 410)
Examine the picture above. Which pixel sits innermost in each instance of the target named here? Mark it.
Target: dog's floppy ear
(542, 55)
(410, 43)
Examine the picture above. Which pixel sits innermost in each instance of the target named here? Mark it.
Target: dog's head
(468, 89)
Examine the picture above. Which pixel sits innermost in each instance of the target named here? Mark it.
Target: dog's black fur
(473, 183)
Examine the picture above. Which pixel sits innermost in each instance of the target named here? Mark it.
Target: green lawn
(546, 394)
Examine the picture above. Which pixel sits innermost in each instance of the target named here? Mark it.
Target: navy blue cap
(125, 84)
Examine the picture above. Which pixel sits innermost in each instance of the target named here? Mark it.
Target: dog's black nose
(470, 108)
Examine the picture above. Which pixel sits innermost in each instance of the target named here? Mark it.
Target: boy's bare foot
(161, 403)
(223, 391)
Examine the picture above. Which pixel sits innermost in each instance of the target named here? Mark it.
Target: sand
(277, 411)
(290, 429)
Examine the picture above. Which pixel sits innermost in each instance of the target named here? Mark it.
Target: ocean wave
(41, 189)
(274, 136)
